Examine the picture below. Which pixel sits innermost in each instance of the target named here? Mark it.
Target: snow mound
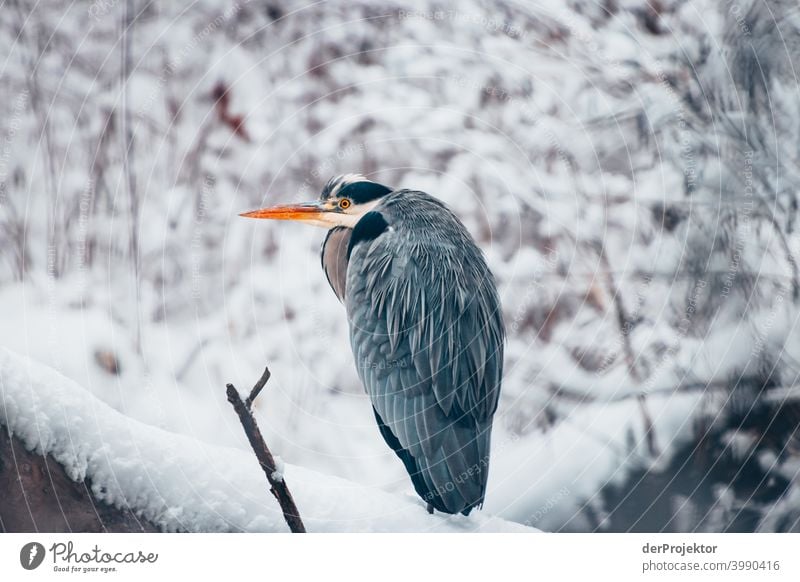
(182, 484)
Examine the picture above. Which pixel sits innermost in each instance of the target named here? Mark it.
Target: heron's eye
(344, 203)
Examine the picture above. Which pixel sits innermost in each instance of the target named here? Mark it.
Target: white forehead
(339, 182)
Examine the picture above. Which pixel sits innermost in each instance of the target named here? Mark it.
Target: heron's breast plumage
(334, 259)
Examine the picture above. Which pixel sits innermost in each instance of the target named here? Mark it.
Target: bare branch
(276, 481)
(259, 386)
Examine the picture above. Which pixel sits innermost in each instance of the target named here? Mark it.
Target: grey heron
(426, 328)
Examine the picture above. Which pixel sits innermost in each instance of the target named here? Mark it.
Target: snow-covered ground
(181, 484)
(631, 180)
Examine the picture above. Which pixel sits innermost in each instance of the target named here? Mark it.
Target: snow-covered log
(179, 483)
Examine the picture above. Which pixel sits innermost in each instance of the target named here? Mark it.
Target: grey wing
(427, 335)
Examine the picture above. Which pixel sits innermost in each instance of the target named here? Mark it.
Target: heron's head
(343, 201)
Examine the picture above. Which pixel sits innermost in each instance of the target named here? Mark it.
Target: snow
(566, 465)
(558, 132)
(181, 484)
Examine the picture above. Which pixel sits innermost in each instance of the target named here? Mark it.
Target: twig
(625, 327)
(191, 357)
(259, 386)
(649, 428)
(572, 394)
(277, 483)
(128, 161)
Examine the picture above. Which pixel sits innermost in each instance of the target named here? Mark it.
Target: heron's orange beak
(312, 211)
